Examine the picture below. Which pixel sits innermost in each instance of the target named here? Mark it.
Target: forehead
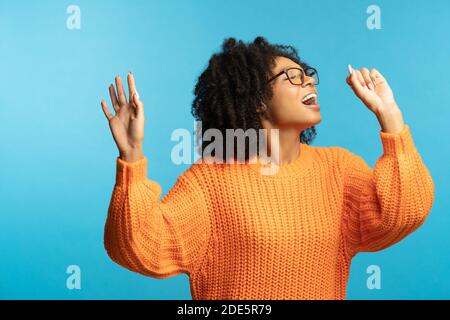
(283, 62)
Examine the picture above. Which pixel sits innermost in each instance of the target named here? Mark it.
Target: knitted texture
(239, 234)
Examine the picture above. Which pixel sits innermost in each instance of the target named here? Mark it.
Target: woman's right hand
(127, 125)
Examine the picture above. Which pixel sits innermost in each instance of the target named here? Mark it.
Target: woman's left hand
(374, 91)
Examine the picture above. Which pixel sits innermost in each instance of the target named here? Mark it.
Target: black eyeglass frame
(285, 71)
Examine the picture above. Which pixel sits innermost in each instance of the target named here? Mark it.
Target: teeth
(309, 96)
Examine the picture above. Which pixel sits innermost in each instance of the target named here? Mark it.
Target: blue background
(57, 159)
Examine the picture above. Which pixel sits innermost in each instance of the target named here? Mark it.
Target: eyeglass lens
(295, 75)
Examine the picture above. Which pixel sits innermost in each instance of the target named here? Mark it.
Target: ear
(264, 112)
(262, 108)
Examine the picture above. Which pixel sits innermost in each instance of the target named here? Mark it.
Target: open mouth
(310, 99)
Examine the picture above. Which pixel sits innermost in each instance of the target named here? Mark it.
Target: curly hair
(230, 91)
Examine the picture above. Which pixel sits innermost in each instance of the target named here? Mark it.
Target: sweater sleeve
(383, 206)
(156, 238)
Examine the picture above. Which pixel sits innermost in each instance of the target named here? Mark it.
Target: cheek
(287, 98)
(293, 95)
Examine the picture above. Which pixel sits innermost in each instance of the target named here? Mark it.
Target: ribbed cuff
(130, 172)
(395, 143)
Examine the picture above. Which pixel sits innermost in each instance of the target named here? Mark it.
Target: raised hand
(374, 91)
(127, 125)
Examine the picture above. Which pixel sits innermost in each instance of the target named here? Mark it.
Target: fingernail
(350, 69)
(137, 94)
(371, 86)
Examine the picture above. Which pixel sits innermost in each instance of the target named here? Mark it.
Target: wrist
(391, 120)
(132, 155)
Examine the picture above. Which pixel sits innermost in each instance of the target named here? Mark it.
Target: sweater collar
(293, 169)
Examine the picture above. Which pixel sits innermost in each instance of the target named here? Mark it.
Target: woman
(241, 234)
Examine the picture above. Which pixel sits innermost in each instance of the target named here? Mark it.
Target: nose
(309, 81)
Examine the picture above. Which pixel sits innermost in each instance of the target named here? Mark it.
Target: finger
(348, 80)
(139, 105)
(355, 83)
(367, 79)
(354, 80)
(376, 76)
(361, 78)
(112, 94)
(131, 86)
(120, 91)
(106, 111)
(350, 71)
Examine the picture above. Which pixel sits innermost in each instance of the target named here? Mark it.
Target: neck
(285, 148)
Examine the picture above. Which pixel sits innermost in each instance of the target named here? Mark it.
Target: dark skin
(288, 114)
(285, 111)
(127, 125)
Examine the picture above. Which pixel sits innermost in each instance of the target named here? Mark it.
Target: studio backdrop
(58, 158)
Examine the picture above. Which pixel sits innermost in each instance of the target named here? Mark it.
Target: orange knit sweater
(239, 234)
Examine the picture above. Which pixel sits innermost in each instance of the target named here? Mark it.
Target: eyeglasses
(297, 76)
